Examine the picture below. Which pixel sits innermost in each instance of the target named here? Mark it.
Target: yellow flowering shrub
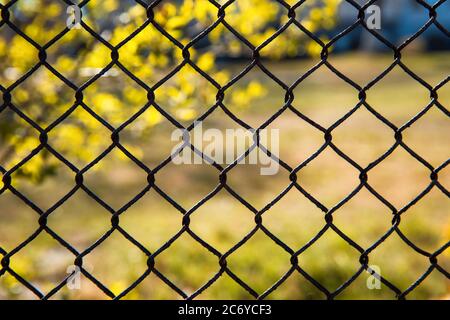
(149, 55)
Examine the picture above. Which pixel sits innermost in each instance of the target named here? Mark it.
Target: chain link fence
(294, 184)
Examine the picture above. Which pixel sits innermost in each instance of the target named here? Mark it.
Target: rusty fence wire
(222, 171)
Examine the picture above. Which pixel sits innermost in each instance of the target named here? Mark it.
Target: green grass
(223, 221)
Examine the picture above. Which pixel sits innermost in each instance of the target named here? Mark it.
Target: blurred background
(74, 56)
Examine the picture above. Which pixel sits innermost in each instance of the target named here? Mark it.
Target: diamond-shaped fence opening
(161, 61)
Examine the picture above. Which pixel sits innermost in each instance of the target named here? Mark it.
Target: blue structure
(399, 20)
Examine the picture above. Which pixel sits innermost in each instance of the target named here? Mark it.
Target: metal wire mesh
(294, 184)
